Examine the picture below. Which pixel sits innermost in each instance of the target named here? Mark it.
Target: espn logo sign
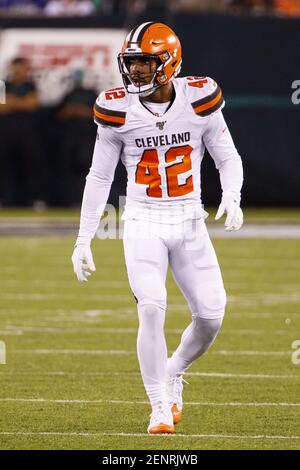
(2, 92)
(2, 353)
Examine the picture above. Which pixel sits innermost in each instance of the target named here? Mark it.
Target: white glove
(231, 205)
(83, 262)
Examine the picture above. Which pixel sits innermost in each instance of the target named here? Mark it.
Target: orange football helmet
(151, 40)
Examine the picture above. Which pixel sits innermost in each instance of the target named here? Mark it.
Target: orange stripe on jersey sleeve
(109, 117)
(209, 104)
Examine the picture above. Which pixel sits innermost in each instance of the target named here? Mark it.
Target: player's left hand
(230, 205)
(83, 263)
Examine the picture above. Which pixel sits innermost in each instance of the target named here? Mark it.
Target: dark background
(254, 59)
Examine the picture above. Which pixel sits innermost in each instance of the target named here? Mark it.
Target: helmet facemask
(150, 78)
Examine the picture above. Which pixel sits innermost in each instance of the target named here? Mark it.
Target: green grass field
(72, 379)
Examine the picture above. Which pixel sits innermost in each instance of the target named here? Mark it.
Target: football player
(159, 125)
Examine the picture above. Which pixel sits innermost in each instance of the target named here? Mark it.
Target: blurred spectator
(69, 8)
(22, 166)
(253, 6)
(287, 7)
(77, 137)
(198, 5)
(22, 6)
(131, 7)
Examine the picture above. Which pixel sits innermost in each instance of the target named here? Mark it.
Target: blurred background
(66, 383)
(56, 56)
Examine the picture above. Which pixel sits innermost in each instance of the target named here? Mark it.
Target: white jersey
(162, 154)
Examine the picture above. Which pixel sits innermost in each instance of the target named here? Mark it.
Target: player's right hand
(83, 262)
(230, 205)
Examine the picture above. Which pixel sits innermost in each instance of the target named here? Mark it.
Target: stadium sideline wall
(253, 60)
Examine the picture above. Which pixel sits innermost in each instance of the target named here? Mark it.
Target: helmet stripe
(132, 33)
(139, 32)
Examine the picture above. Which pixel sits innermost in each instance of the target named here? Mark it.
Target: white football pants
(149, 249)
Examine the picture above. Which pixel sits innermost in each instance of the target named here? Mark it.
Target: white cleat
(161, 421)
(174, 392)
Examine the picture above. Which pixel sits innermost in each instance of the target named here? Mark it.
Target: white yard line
(128, 353)
(206, 436)
(251, 353)
(50, 283)
(10, 329)
(60, 315)
(11, 332)
(128, 402)
(102, 297)
(106, 352)
(224, 375)
(64, 282)
(241, 376)
(170, 436)
(18, 330)
(263, 315)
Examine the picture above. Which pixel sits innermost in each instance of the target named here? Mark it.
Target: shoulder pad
(110, 107)
(205, 95)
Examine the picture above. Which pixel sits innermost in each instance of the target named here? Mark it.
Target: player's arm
(98, 183)
(219, 143)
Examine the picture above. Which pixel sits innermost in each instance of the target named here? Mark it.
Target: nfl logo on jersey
(160, 125)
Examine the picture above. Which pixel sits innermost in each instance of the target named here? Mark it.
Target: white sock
(152, 352)
(195, 341)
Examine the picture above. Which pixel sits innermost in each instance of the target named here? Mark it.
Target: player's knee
(151, 317)
(207, 329)
(212, 302)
